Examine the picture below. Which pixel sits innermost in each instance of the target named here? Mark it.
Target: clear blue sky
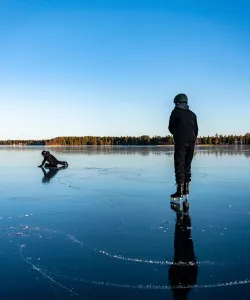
(92, 67)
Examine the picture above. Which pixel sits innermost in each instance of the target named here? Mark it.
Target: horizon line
(116, 136)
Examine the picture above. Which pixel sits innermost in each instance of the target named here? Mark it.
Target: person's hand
(40, 166)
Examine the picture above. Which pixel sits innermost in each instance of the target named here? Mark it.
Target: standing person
(183, 125)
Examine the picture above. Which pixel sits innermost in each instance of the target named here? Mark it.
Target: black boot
(179, 192)
(186, 189)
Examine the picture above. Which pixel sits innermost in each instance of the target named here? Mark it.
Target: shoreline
(118, 146)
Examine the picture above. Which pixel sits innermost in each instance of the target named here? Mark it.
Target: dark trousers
(50, 166)
(183, 156)
(54, 165)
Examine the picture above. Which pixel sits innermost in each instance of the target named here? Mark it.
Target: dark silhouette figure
(52, 161)
(184, 271)
(184, 127)
(50, 174)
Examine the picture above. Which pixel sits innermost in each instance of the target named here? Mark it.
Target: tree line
(143, 140)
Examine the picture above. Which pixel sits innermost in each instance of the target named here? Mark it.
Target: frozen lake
(103, 228)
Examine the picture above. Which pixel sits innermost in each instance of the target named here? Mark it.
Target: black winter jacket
(50, 159)
(183, 124)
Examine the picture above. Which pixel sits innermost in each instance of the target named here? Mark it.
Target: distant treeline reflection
(201, 150)
(145, 151)
(143, 140)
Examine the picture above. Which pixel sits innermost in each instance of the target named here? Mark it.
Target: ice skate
(179, 193)
(65, 164)
(175, 206)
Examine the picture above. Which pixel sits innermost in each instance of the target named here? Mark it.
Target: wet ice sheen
(104, 225)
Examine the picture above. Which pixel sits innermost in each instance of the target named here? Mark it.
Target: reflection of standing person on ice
(183, 273)
(183, 125)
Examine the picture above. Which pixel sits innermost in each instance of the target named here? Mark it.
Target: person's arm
(44, 160)
(196, 129)
(44, 172)
(171, 126)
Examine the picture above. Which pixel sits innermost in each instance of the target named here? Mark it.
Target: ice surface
(104, 228)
